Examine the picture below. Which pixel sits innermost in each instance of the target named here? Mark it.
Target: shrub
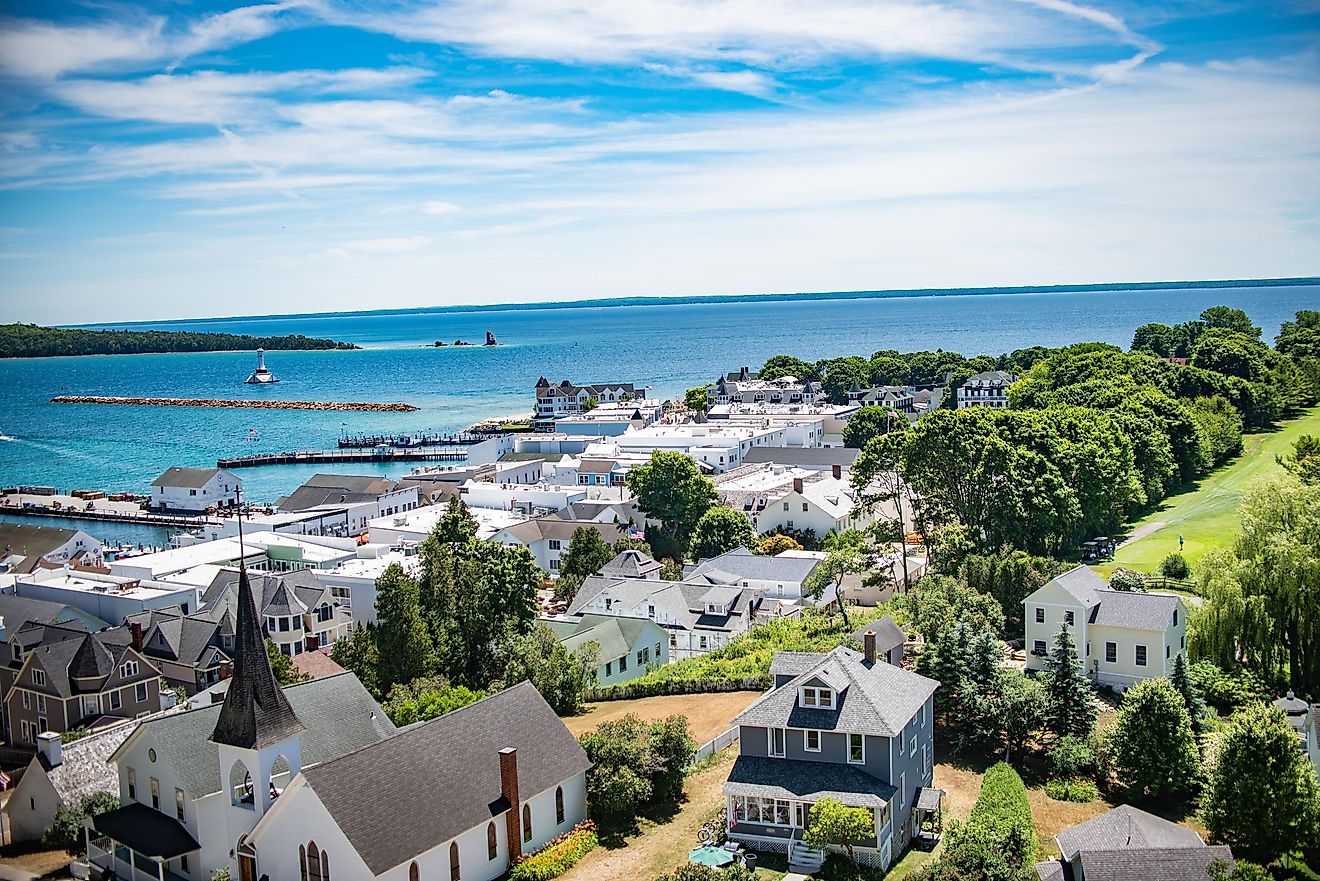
(1175, 566)
(66, 830)
(834, 823)
(1154, 750)
(695, 872)
(1072, 756)
(635, 762)
(1228, 691)
(1126, 579)
(1002, 814)
(1077, 790)
(558, 856)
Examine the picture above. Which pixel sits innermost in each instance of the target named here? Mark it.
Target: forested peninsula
(33, 341)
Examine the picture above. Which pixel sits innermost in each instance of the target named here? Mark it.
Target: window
(555, 544)
(41, 703)
(1141, 655)
(559, 805)
(1111, 652)
(178, 803)
(640, 662)
(658, 652)
(42, 725)
(1166, 652)
(115, 700)
(826, 698)
(140, 692)
(1038, 647)
(812, 741)
(38, 676)
(128, 669)
(650, 611)
(902, 740)
(554, 564)
(805, 507)
(25, 730)
(414, 873)
(527, 823)
(1182, 641)
(1068, 617)
(777, 742)
(183, 863)
(609, 668)
(27, 701)
(856, 749)
(315, 863)
(623, 664)
(785, 506)
(492, 843)
(132, 784)
(1175, 617)
(453, 861)
(703, 642)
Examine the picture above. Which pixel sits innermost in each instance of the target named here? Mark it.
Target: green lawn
(1207, 517)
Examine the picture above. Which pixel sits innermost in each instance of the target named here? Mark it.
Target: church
(313, 782)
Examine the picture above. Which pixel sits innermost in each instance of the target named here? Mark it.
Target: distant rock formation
(490, 339)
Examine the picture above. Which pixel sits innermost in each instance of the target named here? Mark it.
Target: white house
(777, 577)
(24, 548)
(193, 490)
(785, 497)
(548, 538)
(988, 389)
(625, 647)
(357, 499)
(1122, 637)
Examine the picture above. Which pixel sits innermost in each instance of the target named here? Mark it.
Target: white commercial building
(193, 490)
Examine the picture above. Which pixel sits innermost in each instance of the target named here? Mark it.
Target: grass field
(1207, 517)
(707, 714)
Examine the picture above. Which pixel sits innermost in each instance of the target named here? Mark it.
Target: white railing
(715, 744)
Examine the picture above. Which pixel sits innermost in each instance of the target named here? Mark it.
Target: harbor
(254, 404)
(406, 441)
(330, 457)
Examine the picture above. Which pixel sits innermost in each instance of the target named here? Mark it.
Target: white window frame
(862, 740)
(783, 743)
(1108, 659)
(806, 740)
(38, 676)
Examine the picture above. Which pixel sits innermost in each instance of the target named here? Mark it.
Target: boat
(261, 376)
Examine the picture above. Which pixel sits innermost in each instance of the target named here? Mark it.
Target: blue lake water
(669, 347)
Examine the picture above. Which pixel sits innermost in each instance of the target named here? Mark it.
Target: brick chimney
(797, 485)
(226, 669)
(868, 646)
(509, 789)
(837, 471)
(136, 627)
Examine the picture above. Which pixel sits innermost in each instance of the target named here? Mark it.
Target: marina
(406, 441)
(327, 457)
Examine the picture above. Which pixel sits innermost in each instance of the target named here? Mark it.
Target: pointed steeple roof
(255, 713)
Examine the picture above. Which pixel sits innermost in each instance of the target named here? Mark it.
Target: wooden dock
(329, 457)
(409, 441)
(144, 518)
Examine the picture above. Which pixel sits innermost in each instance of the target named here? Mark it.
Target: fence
(715, 744)
(631, 690)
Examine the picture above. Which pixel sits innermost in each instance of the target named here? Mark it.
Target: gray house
(1128, 844)
(842, 725)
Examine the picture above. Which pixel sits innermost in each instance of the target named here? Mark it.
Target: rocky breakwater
(217, 402)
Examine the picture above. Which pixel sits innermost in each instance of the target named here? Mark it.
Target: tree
(697, 398)
(587, 553)
(1190, 692)
(425, 699)
(937, 601)
(1230, 319)
(1175, 566)
(357, 653)
(1069, 700)
(1304, 460)
(589, 404)
(837, 565)
(1153, 748)
(634, 762)
(842, 374)
(282, 666)
(403, 642)
(721, 530)
(774, 545)
(1019, 706)
(671, 489)
(780, 366)
(66, 830)
(561, 676)
(1261, 799)
(868, 423)
(833, 823)
(1242, 870)
(1071, 757)
(1300, 338)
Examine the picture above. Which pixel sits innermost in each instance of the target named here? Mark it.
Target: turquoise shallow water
(669, 347)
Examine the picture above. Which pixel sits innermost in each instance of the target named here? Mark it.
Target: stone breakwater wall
(215, 402)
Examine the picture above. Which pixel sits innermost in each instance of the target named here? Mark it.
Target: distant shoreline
(697, 299)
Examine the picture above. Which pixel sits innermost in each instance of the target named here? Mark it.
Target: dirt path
(1141, 532)
(659, 847)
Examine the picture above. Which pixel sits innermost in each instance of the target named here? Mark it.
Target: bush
(635, 762)
(1076, 790)
(1175, 566)
(1126, 579)
(66, 830)
(1228, 691)
(558, 856)
(695, 872)
(1072, 757)
(1002, 814)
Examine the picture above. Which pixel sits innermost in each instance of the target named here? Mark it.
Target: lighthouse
(261, 376)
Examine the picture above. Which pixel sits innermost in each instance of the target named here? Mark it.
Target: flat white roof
(95, 582)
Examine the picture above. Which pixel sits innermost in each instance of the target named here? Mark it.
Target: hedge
(1003, 812)
(630, 690)
(558, 856)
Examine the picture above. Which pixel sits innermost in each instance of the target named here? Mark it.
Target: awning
(928, 799)
(145, 831)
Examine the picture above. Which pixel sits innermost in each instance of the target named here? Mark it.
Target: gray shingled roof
(17, 611)
(1135, 610)
(32, 542)
(812, 781)
(399, 797)
(745, 565)
(631, 563)
(337, 712)
(1122, 828)
(682, 601)
(821, 458)
(888, 635)
(67, 655)
(875, 698)
(1153, 864)
(1081, 583)
(190, 478)
(1053, 870)
(615, 634)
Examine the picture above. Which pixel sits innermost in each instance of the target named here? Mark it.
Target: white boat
(261, 376)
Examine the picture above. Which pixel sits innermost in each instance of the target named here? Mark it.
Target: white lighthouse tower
(261, 376)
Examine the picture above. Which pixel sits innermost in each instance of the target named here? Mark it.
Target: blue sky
(197, 158)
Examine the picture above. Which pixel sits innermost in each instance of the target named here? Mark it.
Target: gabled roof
(273, 594)
(1081, 583)
(32, 543)
(614, 634)
(168, 633)
(397, 798)
(874, 698)
(16, 611)
(631, 563)
(1133, 609)
(338, 714)
(742, 564)
(1163, 863)
(1125, 828)
(188, 478)
(816, 458)
(557, 529)
(888, 635)
(77, 662)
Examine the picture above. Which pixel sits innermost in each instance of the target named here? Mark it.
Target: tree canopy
(33, 341)
(671, 489)
(720, 530)
(1153, 745)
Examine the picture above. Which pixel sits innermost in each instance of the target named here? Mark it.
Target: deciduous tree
(1153, 748)
(721, 529)
(671, 490)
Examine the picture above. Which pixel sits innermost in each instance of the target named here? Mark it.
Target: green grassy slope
(1207, 516)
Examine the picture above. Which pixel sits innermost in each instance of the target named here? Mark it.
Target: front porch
(135, 843)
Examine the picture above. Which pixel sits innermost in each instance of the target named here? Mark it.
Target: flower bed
(558, 856)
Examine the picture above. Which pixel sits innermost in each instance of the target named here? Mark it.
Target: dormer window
(715, 608)
(38, 677)
(127, 669)
(817, 697)
(17, 651)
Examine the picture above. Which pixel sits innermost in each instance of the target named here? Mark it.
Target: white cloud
(438, 207)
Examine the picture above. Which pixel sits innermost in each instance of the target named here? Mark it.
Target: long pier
(327, 457)
(220, 402)
(407, 441)
(145, 518)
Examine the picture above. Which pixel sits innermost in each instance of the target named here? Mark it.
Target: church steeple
(255, 713)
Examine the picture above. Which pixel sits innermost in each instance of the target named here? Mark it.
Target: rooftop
(188, 478)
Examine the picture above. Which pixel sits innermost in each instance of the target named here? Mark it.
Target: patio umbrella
(714, 857)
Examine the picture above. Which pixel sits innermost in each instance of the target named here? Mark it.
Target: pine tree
(403, 641)
(1070, 703)
(1192, 698)
(587, 553)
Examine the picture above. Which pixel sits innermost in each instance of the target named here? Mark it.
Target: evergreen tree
(1262, 798)
(403, 641)
(1153, 746)
(1191, 695)
(587, 553)
(1069, 699)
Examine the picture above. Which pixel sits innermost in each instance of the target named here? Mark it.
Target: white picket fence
(715, 744)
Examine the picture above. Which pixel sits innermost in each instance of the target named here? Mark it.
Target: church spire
(255, 713)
